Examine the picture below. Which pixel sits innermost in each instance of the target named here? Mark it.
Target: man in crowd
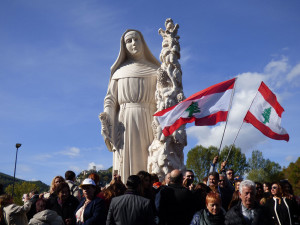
(175, 203)
(130, 208)
(225, 190)
(230, 177)
(248, 211)
(70, 178)
(33, 197)
(213, 180)
(188, 179)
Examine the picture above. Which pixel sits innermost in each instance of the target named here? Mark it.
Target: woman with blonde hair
(11, 213)
(54, 183)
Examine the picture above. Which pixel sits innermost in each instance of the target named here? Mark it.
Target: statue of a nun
(129, 105)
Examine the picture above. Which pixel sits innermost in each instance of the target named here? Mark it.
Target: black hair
(69, 175)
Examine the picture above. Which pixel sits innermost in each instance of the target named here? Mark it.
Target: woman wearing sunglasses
(280, 208)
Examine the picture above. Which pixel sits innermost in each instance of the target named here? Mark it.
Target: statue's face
(133, 43)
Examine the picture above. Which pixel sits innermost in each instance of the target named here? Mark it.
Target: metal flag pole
(240, 127)
(18, 145)
(229, 108)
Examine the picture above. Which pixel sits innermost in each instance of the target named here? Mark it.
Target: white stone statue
(166, 153)
(129, 105)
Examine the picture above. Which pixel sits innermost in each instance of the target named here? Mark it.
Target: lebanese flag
(206, 107)
(265, 114)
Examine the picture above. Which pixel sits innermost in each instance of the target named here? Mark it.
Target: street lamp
(18, 145)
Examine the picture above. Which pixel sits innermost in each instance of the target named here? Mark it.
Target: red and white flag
(206, 107)
(265, 114)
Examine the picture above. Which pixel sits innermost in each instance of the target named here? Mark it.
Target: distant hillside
(6, 180)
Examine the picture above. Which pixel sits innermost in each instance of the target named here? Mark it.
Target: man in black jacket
(130, 208)
(247, 212)
(175, 203)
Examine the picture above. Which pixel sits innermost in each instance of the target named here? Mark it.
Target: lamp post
(18, 145)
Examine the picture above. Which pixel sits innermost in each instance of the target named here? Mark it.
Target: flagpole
(234, 141)
(240, 127)
(229, 108)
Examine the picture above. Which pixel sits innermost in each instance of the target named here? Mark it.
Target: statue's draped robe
(130, 100)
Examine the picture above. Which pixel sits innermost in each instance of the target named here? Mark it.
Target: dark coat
(287, 213)
(67, 210)
(94, 212)
(175, 205)
(202, 217)
(130, 209)
(32, 210)
(235, 217)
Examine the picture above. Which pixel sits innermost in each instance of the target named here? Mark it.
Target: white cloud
(290, 158)
(185, 55)
(43, 157)
(24, 168)
(295, 72)
(72, 152)
(98, 166)
(76, 169)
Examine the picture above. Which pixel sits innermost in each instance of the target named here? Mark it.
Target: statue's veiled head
(133, 46)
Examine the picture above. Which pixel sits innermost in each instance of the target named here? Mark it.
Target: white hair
(247, 183)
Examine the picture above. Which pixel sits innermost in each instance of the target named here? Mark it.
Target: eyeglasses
(221, 180)
(274, 188)
(229, 173)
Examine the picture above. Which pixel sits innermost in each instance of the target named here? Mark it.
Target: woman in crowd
(259, 191)
(147, 191)
(117, 188)
(237, 184)
(213, 214)
(235, 199)
(91, 209)
(11, 213)
(280, 208)
(44, 215)
(200, 192)
(64, 203)
(54, 183)
(96, 178)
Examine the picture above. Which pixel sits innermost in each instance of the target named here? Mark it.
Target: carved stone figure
(166, 153)
(129, 105)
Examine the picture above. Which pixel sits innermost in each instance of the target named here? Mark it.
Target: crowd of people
(220, 199)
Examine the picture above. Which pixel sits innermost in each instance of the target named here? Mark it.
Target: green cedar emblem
(193, 108)
(266, 114)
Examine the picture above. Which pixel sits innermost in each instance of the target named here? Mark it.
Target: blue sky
(55, 59)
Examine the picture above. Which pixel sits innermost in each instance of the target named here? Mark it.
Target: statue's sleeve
(111, 99)
(109, 119)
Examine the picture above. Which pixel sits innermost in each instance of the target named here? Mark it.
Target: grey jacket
(46, 217)
(130, 209)
(16, 215)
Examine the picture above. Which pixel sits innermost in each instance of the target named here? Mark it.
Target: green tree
(236, 160)
(20, 189)
(263, 170)
(292, 174)
(199, 160)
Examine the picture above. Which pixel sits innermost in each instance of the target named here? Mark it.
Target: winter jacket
(235, 217)
(94, 212)
(46, 217)
(175, 205)
(202, 217)
(68, 208)
(285, 213)
(16, 215)
(130, 209)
